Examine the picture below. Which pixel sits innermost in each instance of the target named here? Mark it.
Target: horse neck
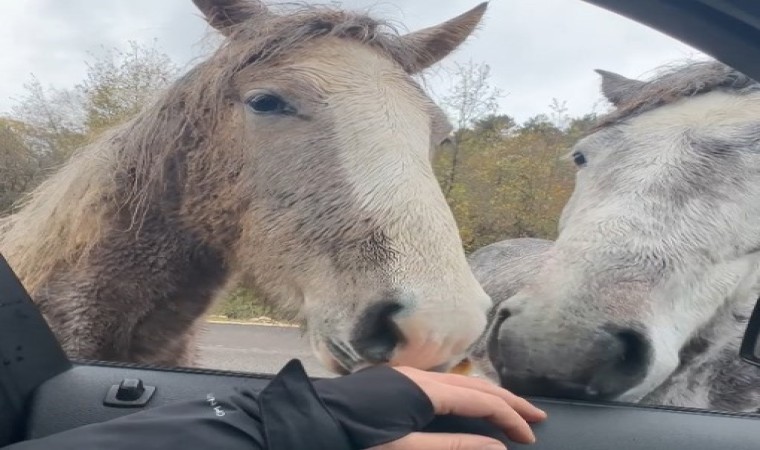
(157, 278)
(79, 228)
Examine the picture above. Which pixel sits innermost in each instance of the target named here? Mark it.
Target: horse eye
(579, 159)
(268, 104)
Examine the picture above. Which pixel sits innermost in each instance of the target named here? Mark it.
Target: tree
(494, 124)
(579, 126)
(559, 116)
(48, 124)
(120, 84)
(471, 98)
(53, 122)
(117, 86)
(18, 166)
(510, 179)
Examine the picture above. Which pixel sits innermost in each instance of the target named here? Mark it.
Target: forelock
(262, 41)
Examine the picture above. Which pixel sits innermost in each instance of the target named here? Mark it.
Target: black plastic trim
(725, 29)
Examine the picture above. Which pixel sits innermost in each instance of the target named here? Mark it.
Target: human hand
(469, 397)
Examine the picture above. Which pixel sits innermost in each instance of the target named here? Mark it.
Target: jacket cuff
(294, 417)
(376, 405)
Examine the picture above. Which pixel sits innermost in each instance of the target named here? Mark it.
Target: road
(254, 348)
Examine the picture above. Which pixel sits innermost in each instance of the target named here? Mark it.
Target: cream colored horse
(295, 159)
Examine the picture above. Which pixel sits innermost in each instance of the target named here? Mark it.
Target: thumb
(438, 441)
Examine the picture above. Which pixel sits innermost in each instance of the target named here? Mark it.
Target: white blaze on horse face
(393, 178)
(383, 137)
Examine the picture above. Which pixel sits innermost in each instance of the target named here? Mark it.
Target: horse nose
(377, 334)
(602, 365)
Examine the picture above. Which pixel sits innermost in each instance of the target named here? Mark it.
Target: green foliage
(513, 181)
(18, 166)
(501, 179)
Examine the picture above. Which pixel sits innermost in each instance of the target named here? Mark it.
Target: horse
(646, 292)
(295, 159)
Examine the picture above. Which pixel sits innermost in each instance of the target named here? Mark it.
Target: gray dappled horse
(646, 292)
(296, 159)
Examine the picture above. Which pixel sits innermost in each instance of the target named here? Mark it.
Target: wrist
(376, 405)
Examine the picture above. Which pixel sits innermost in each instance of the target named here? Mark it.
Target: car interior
(42, 392)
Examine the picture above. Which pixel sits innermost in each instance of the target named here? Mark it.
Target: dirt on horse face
(296, 159)
(645, 294)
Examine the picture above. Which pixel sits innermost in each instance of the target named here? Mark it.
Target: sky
(537, 49)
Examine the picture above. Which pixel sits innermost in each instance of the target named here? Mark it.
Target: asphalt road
(255, 348)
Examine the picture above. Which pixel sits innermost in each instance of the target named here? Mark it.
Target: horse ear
(618, 88)
(225, 14)
(430, 45)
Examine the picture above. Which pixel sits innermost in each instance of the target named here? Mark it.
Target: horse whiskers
(344, 354)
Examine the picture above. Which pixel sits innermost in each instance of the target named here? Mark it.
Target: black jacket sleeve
(357, 411)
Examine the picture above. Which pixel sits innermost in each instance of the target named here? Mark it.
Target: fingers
(523, 407)
(436, 441)
(471, 397)
(472, 403)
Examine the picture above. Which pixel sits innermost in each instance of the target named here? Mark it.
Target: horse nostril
(625, 365)
(597, 364)
(492, 345)
(501, 315)
(634, 353)
(377, 335)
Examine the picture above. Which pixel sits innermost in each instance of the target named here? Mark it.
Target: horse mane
(127, 168)
(675, 82)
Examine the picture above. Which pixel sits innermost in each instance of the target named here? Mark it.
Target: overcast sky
(537, 49)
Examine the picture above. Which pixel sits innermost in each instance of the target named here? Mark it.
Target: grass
(244, 305)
